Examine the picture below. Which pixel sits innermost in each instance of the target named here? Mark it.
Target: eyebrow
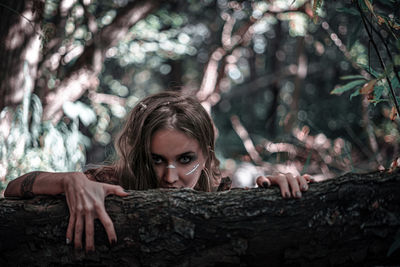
(187, 153)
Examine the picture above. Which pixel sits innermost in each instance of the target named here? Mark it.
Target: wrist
(52, 183)
(26, 187)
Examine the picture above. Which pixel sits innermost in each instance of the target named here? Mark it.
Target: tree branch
(83, 75)
(248, 144)
(347, 221)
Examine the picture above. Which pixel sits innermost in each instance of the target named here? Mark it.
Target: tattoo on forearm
(27, 185)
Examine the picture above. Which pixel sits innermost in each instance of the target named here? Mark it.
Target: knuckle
(88, 208)
(260, 179)
(97, 205)
(78, 231)
(72, 214)
(79, 209)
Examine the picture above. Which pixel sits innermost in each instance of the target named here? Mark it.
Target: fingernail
(287, 194)
(67, 241)
(298, 194)
(265, 184)
(304, 187)
(113, 243)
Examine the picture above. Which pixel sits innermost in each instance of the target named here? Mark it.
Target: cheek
(191, 179)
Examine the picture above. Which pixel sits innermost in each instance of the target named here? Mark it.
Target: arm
(35, 183)
(85, 199)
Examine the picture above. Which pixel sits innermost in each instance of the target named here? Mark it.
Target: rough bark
(346, 221)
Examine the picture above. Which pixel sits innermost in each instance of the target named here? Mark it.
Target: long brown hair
(167, 109)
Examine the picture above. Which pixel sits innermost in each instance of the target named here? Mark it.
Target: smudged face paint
(177, 159)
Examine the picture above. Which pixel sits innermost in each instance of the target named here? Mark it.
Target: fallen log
(351, 220)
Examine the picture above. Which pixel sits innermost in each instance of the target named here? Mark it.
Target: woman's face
(177, 158)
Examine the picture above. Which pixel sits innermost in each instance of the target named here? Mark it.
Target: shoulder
(105, 174)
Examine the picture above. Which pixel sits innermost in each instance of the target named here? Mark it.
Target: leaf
(317, 4)
(347, 87)
(368, 87)
(370, 7)
(355, 93)
(351, 77)
(379, 89)
(395, 82)
(367, 68)
(377, 101)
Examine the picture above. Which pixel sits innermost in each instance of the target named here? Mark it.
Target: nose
(170, 175)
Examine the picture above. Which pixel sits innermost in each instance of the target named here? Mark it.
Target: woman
(167, 142)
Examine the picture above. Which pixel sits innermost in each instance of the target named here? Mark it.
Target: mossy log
(351, 220)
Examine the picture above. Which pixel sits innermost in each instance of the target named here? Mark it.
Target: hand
(290, 186)
(85, 201)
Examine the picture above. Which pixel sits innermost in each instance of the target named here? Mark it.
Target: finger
(281, 180)
(302, 183)
(89, 232)
(309, 178)
(263, 182)
(115, 190)
(78, 232)
(294, 185)
(108, 225)
(71, 223)
(70, 229)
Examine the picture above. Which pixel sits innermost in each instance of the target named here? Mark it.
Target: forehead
(173, 142)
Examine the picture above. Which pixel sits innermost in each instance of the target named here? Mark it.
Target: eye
(185, 159)
(157, 159)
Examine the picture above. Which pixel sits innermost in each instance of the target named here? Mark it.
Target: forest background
(293, 86)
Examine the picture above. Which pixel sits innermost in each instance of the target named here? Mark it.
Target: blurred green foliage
(36, 145)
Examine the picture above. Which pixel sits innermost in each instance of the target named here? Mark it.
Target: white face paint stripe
(194, 168)
(170, 166)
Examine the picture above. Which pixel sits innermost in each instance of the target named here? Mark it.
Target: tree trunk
(19, 54)
(347, 221)
(20, 43)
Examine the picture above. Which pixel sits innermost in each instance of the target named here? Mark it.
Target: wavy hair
(168, 109)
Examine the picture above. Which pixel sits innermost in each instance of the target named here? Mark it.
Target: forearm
(36, 183)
